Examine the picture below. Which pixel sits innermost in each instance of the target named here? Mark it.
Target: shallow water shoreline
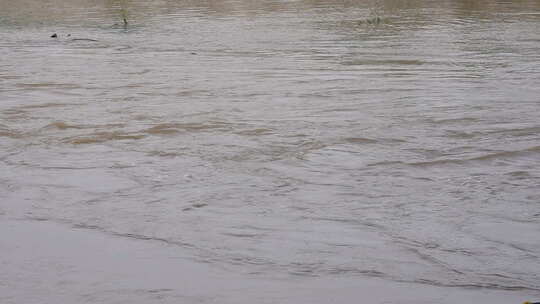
(46, 262)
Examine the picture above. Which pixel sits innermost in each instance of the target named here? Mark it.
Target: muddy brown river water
(349, 139)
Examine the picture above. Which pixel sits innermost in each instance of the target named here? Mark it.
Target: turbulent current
(395, 139)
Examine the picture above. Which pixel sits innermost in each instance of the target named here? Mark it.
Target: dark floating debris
(124, 23)
(55, 35)
(373, 20)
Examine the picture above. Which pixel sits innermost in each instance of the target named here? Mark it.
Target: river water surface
(389, 139)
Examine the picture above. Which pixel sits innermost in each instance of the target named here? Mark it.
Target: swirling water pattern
(396, 139)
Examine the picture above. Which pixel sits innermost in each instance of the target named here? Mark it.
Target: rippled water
(396, 139)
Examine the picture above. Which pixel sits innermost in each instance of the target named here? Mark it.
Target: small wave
(475, 285)
(84, 39)
(171, 128)
(345, 221)
(131, 235)
(41, 85)
(519, 174)
(462, 134)
(437, 162)
(86, 43)
(107, 231)
(504, 154)
(518, 131)
(37, 218)
(165, 154)
(195, 206)
(159, 290)
(384, 62)
(459, 120)
(487, 157)
(103, 137)
(360, 140)
(61, 125)
(352, 270)
(44, 105)
(14, 112)
(255, 132)
(386, 163)
(242, 235)
(6, 132)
